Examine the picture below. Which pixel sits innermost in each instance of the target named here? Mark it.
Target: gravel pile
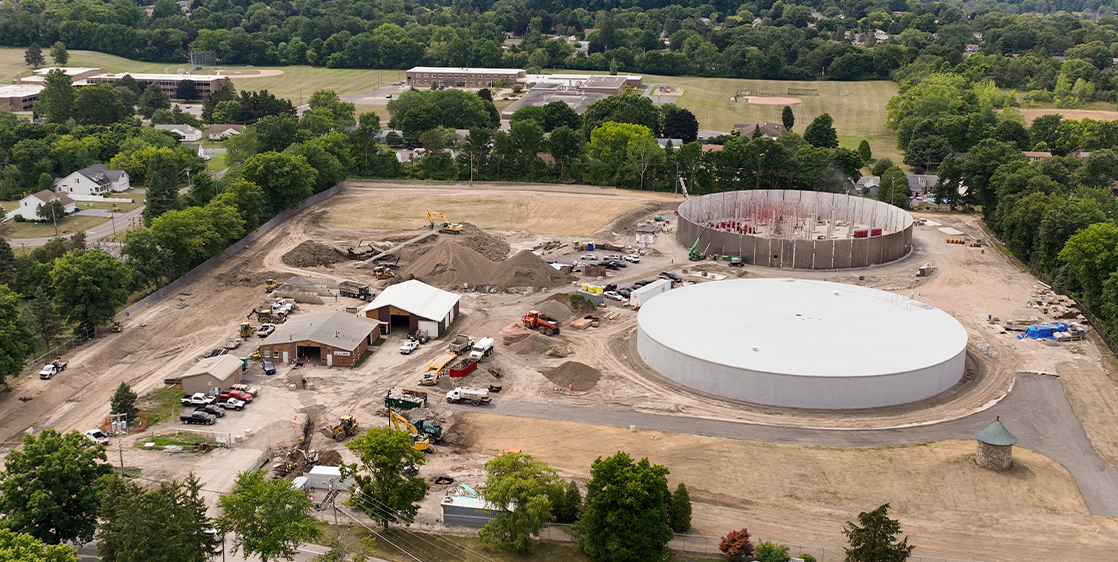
(574, 375)
(453, 264)
(312, 254)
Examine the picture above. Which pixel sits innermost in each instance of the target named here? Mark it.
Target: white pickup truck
(409, 346)
(198, 399)
(51, 369)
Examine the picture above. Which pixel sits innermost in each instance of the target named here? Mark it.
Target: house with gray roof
(94, 180)
(333, 339)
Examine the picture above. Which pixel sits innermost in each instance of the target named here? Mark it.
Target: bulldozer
(118, 327)
(246, 329)
(347, 426)
(447, 226)
(420, 441)
(270, 285)
(383, 272)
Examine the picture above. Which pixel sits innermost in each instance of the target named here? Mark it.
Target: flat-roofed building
(169, 83)
(584, 81)
(76, 74)
(18, 97)
(468, 77)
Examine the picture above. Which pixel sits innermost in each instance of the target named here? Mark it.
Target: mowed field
(543, 214)
(946, 504)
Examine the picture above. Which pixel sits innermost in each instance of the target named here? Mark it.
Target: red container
(875, 232)
(861, 233)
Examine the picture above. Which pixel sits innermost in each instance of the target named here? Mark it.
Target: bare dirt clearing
(1096, 114)
(548, 214)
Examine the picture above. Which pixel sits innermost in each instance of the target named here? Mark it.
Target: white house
(94, 180)
(222, 132)
(29, 206)
(186, 133)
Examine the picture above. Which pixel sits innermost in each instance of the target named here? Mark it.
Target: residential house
(222, 132)
(186, 133)
(94, 180)
(768, 130)
(921, 184)
(868, 185)
(1035, 157)
(29, 206)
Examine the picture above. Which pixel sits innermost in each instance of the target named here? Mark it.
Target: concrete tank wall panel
(838, 253)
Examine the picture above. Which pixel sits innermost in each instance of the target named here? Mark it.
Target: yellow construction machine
(347, 426)
(420, 442)
(447, 226)
(246, 330)
(383, 272)
(118, 327)
(270, 285)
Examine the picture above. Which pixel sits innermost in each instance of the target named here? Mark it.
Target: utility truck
(475, 396)
(483, 348)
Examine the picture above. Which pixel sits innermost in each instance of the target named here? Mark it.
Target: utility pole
(120, 449)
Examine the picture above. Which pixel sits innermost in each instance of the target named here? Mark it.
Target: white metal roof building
(415, 304)
(802, 343)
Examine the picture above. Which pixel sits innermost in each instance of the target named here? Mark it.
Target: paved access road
(1036, 410)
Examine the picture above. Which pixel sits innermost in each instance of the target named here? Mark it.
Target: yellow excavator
(347, 425)
(420, 442)
(447, 226)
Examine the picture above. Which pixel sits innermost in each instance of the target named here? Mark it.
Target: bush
(575, 298)
(769, 552)
(736, 544)
(807, 558)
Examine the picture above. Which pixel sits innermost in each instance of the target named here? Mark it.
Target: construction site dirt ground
(795, 494)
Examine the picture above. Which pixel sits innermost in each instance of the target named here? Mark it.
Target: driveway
(1037, 411)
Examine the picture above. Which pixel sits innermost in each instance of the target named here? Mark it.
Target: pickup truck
(231, 404)
(211, 409)
(238, 394)
(253, 390)
(197, 399)
(408, 347)
(51, 369)
(198, 417)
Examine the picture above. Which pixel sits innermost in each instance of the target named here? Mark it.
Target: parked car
(97, 436)
(671, 276)
(625, 291)
(231, 403)
(611, 287)
(266, 330)
(613, 295)
(197, 417)
(590, 257)
(633, 258)
(611, 265)
(211, 409)
(641, 283)
(238, 394)
(269, 368)
(197, 399)
(253, 390)
(615, 257)
(409, 346)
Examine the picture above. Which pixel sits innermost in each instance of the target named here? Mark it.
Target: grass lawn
(183, 439)
(217, 163)
(137, 200)
(160, 404)
(66, 225)
(12, 65)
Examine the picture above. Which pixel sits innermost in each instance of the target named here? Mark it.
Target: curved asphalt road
(1037, 411)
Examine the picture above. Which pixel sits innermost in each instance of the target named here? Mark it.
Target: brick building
(334, 339)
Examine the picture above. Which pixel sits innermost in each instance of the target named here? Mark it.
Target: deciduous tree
(22, 547)
(275, 133)
(51, 488)
(286, 179)
(56, 101)
(186, 90)
(89, 287)
(769, 552)
(33, 56)
(386, 494)
(680, 124)
(59, 54)
(8, 268)
(525, 484)
(268, 518)
(736, 544)
(626, 515)
(821, 132)
(15, 338)
(625, 108)
(100, 104)
(153, 99)
(874, 538)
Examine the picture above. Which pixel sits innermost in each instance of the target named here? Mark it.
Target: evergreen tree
(153, 99)
(186, 90)
(43, 317)
(33, 56)
(124, 402)
(864, 150)
(131, 517)
(59, 54)
(8, 268)
(56, 101)
(224, 92)
(568, 509)
(679, 510)
(874, 539)
(788, 118)
(821, 132)
(162, 186)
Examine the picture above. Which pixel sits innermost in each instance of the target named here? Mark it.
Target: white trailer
(327, 477)
(640, 296)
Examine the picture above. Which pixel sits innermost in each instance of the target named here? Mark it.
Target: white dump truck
(483, 348)
(475, 396)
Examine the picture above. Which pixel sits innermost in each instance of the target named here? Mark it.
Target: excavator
(420, 441)
(347, 426)
(447, 226)
(266, 316)
(692, 254)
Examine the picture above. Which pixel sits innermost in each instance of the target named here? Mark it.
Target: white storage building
(414, 305)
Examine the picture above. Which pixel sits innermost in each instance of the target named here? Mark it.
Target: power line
(382, 507)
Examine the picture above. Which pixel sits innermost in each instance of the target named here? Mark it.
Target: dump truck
(404, 399)
(536, 320)
(355, 290)
(483, 348)
(420, 442)
(347, 425)
(461, 344)
(475, 396)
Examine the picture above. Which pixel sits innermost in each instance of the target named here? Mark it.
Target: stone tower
(995, 447)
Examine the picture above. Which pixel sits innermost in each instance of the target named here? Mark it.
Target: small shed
(211, 373)
(995, 446)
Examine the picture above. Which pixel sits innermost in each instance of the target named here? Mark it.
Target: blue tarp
(1043, 331)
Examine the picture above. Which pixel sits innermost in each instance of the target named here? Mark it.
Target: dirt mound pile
(452, 264)
(312, 254)
(556, 310)
(521, 341)
(330, 458)
(483, 243)
(574, 375)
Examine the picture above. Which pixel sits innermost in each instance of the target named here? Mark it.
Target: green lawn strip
(160, 404)
(184, 439)
(45, 229)
(426, 546)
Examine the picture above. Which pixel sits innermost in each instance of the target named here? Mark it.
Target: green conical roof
(996, 434)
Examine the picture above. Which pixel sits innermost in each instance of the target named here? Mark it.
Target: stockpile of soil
(577, 376)
(330, 458)
(312, 254)
(521, 341)
(482, 242)
(452, 264)
(558, 311)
